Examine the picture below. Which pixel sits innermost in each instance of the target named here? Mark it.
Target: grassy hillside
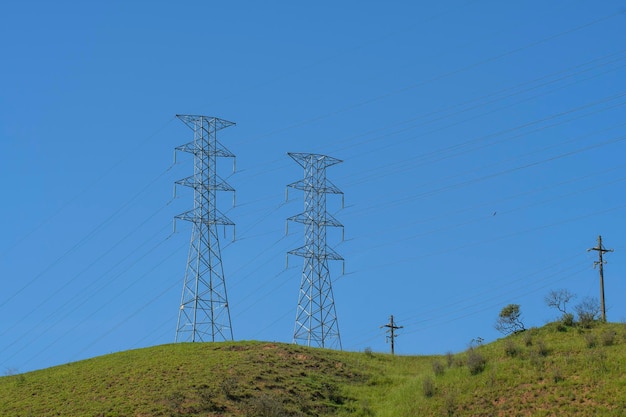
(555, 370)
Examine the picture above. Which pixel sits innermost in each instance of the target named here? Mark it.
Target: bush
(438, 368)
(588, 312)
(568, 319)
(266, 406)
(450, 357)
(536, 360)
(528, 339)
(450, 403)
(510, 348)
(368, 352)
(557, 375)
(475, 362)
(332, 392)
(542, 349)
(608, 338)
(591, 340)
(229, 387)
(428, 387)
(175, 401)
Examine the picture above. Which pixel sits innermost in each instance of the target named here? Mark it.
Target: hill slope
(554, 370)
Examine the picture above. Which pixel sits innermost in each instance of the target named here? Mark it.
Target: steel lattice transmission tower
(316, 319)
(204, 314)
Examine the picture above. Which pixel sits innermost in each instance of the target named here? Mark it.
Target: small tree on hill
(588, 311)
(558, 299)
(509, 320)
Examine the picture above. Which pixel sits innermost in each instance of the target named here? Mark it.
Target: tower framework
(204, 314)
(316, 318)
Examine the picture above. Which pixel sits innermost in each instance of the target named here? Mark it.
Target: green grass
(550, 371)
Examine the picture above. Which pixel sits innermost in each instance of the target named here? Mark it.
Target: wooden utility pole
(600, 249)
(391, 329)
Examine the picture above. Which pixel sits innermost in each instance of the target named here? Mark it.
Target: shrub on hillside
(266, 406)
(333, 393)
(568, 319)
(438, 368)
(591, 340)
(450, 403)
(528, 339)
(510, 348)
(229, 387)
(557, 375)
(608, 338)
(542, 349)
(368, 352)
(428, 387)
(475, 362)
(588, 312)
(450, 357)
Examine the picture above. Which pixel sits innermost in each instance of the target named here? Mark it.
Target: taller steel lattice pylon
(204, 314)
(316, 318)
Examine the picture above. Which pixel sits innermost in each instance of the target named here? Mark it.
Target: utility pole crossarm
(600, 263)
(391, 329)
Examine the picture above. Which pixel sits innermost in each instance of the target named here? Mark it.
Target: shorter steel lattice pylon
(316, 318)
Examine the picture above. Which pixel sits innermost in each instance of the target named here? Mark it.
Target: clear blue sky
(483, 146)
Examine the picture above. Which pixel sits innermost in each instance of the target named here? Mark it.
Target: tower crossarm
(215, 122)
(220, 184)
(192, 216)
(306, 159)
(219, 150)
(305, 218)
(306, 185)
(326, 253)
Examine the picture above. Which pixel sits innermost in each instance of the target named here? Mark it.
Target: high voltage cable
(386, 135)
(108, 303)
(347, 51)
(79, 274)
(494, 239)
(466, 109)
(88, 299)
(483, 297)
(137, 311)
(84, 190)
(436, 316)
(493, 203)
(409, 163)
(500, 213)
(461, 184)
(275, 162)
(82, 241)
(595, 187)
(447, 74)
(475, 102)
(427, 157)
(268, 293)
(494, 305)
(505, 283)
